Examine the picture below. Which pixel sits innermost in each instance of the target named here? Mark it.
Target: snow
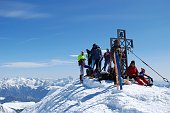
(94, 83)
(15, 107)
(19, 105)
(4, 109)
(2, 98)
(95, 97)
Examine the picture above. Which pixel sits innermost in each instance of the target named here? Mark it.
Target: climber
(133, 73)
(81, 62)
(89, 57)
(107, 59)
(146, 77)
(96, 56)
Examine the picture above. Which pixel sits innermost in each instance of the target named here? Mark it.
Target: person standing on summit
(81, 62)
(89, 56)
(96, 56)
(107, 57)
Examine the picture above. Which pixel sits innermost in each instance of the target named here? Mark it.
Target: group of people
(95, 57)
(141, 78)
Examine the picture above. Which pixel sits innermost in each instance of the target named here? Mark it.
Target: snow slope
(4, 109)
(15, 107)
(18, 106)
(93, 97)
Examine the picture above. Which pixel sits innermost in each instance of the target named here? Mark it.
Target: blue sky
(38, 37)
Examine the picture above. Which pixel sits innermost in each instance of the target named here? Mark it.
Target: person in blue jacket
(96, 56)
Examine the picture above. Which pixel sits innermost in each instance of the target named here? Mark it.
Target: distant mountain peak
(28, 89)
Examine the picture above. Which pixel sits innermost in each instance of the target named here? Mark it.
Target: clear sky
(38, 37)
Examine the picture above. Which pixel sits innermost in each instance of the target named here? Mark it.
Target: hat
(94, 44)
(142, 69)
(132, 62)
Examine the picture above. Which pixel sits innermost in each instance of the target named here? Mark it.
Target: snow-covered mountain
(19, 93)
(27, 89)
(15, 107)
(4, 109)
(93, 97)
(69, 96)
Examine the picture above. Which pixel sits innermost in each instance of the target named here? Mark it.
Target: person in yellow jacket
(81, 61)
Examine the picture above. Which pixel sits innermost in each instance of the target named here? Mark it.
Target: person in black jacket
(89, 56)
(96, 56)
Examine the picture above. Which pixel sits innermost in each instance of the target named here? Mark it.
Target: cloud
(51, 63)
(22, 14)
(103, 51)
(24, 65)
(30, 40)
(59, 62)
(75, 56)
(21, 10)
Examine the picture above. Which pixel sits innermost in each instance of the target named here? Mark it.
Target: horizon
(41, 39)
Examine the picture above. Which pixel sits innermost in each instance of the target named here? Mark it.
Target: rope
(165, 79)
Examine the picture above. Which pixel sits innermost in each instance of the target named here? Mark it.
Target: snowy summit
(96, 97)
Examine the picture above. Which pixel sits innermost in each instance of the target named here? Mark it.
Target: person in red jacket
(132, 72)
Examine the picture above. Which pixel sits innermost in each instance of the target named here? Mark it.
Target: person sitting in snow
(133, 73)
(144, 77)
